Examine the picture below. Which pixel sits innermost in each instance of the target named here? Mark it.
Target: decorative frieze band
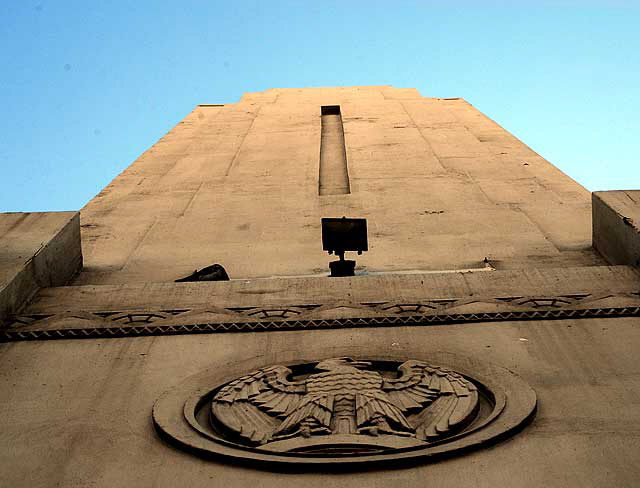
(80, 325)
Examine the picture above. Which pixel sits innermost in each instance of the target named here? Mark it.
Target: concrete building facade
(481, 254)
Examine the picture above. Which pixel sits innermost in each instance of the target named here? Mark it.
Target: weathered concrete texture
(78, 413)
(441, 185)
(616, 226)
(36, 250)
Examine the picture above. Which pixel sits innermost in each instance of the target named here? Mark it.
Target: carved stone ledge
(19, 334)
(327, 311)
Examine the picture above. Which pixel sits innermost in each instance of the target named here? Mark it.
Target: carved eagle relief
(344, 397)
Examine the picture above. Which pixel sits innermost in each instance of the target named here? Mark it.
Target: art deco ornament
(343, 410)
(343, 398)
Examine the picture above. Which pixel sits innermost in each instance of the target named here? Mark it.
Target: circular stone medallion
(344, 410)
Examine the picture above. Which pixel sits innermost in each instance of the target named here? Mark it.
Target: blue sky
(86, 87)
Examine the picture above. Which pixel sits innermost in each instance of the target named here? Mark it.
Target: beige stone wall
(441, 185)
(37, 249)
(78, 413)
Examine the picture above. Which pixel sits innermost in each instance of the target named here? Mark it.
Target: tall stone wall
(441, 185)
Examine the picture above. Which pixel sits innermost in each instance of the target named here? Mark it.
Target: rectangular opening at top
(334, 174)
(330, 110)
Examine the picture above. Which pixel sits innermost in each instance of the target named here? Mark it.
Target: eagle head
(335, 364)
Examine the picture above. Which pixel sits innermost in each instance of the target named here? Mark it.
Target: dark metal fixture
(340, 235)
(215, 272)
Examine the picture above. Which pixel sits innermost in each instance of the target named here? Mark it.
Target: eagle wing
(318, 407)
(254, 405)
(436, 401)
(373, 404)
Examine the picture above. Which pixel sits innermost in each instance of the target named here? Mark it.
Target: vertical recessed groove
(334, 174)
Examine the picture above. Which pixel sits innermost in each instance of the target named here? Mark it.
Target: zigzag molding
(312, 324)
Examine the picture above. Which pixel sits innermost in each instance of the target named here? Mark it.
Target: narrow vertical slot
(334, 174)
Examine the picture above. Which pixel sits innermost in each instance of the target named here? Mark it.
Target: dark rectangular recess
(330, 110)
(334, 173)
